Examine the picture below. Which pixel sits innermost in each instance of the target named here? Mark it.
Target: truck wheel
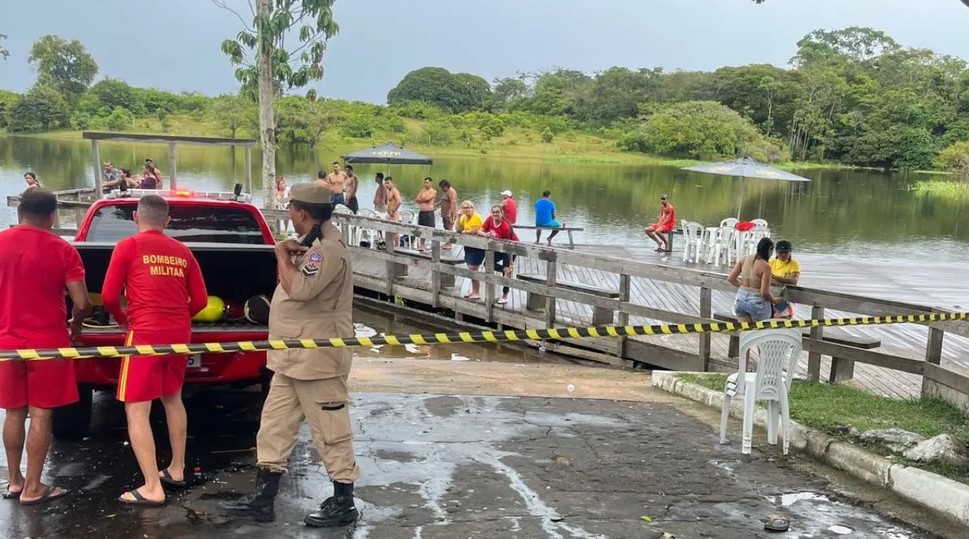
(71, 422)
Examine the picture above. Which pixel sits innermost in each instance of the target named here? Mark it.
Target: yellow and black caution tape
(468, 337)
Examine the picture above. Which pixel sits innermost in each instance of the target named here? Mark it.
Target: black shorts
(473, 256)
(502, 261)
(353, 204)
(425, 218)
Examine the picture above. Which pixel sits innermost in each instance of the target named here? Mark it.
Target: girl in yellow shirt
(469, 222)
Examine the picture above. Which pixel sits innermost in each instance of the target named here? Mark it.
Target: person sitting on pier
(667, 222)
(785, 270)
(123, 176)
(151, 170)
(470, 223)
(545, 217)
(497, 227)
(31, 180)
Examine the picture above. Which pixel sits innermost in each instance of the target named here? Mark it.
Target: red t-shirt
(502, 231)
(511, 210)
(35, 266)
(162, 281)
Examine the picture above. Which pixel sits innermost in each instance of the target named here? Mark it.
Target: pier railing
(694, 295)
(925, 359)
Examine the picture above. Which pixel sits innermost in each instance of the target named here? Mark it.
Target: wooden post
(550, 278)
(489, 296)
(392, 273)
(96, 155)
(173, 166)
(814, 358)
(436, 272)
(625, 288)
(248, 169)
(706, 311)
(933, 350)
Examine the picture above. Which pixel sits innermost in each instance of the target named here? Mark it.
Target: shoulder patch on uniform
(314, 257)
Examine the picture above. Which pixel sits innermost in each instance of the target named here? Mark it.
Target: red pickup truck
(234, 247)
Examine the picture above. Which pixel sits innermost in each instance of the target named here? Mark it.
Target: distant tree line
(853, 96)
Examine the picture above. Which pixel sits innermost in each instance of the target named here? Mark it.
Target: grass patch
(953, 189)
(825, 406)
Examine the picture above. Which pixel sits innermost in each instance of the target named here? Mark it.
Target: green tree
(508, 93)
(616, 93)
(43, 108)
(233, 112)
(704, 130)
(460, 92)
(8, 100)
(954, 158)
(63, 65)
(273, 65)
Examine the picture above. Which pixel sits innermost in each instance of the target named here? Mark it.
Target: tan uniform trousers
(325, 406)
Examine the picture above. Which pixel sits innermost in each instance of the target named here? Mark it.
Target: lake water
(856, 213)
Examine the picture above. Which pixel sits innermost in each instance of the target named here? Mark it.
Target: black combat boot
(337, 510)
(260, 505)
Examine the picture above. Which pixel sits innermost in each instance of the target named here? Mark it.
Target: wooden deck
(855, 277)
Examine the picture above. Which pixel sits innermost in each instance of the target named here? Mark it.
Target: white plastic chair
(407, 217)
(729, 221)
(779, 351)
(724, 246)
(693, 241)
(759, 222)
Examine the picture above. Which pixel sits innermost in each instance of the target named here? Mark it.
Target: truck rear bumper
(208, 368)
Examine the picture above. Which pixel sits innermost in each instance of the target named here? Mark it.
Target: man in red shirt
(35, 268)
(509, 206)
(164, 289)
(498, 227)
(667, 222)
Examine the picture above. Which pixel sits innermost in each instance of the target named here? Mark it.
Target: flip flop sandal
(48, 496)
(140, 500)
(7, 495)
(777, 523)
(501, 301)
(166, 477)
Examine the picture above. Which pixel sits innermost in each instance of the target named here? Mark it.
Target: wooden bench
(568, 230)
(601, 316)
(841, 369)
(447, 280)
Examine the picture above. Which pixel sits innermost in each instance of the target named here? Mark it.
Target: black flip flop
(7, 495)
(48, 496)
(140, 500)
(166, 477)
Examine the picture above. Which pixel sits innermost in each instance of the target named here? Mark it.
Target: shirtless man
(352, 185)
(425, 203)
(335, 182)
(393, 204)
(449, 209)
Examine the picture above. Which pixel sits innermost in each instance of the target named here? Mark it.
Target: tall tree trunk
(267, 97)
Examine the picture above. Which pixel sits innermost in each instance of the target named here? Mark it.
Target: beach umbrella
(388, 154)
(747, 168)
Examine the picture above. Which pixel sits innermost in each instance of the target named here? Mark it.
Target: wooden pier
(636, 286)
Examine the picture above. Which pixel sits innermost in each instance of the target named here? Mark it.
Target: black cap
(783, 246)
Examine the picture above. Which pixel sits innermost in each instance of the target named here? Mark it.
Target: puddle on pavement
(376, 324)
(831, 518)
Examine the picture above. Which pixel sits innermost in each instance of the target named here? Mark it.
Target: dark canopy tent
(388, 154)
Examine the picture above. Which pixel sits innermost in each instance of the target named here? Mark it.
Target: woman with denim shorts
(752, 276)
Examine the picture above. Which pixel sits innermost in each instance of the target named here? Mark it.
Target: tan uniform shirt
(321, 306)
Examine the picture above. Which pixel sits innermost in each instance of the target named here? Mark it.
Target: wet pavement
(457, 466)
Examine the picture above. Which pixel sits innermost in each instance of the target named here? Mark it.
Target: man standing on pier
(449, 208)
(351, 190)
(425, 203)
(35, 268)
(164, 289)
(335, 182)
(313, 300)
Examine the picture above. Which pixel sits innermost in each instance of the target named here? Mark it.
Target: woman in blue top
(545, 217)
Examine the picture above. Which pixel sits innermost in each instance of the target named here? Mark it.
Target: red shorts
(41, 384)
(145, 378)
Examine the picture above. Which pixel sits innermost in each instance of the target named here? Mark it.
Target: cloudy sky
(174, 44)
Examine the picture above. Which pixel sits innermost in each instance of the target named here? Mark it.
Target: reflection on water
(369, 323)
(847, 212)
